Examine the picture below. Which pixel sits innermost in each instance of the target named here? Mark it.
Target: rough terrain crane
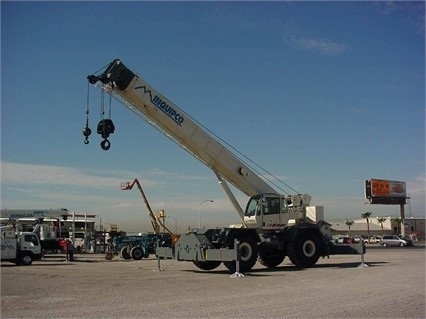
(274, 225)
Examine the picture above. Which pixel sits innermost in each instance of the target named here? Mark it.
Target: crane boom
(181, 127)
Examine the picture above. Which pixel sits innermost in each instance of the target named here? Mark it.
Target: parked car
(394, 240)
(344, 240)
(358, 238)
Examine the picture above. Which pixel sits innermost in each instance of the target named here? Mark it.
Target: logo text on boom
(167, 109)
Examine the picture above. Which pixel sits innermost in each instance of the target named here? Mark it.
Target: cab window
(252, 206)
(272, 205)
(32, 239)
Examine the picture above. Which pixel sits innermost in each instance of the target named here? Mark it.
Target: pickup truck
(373, 240)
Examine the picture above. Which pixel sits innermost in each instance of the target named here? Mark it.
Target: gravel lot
(91, 287)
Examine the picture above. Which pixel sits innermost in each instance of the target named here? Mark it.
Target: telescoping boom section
(181, 127)
(275, 226)
(146, 101)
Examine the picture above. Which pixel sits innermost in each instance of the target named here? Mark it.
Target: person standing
(67, 243)
(70, 250)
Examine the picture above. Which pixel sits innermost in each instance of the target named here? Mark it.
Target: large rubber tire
(125, 253)
(26, 259)
(207, 265)
(136, 253)
(270, 259)
(248, 252)
(304, 251)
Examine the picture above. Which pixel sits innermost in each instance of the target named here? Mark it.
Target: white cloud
(16, 173)
(293, 37)
(13, 174)
(321, 45)
(43, 186)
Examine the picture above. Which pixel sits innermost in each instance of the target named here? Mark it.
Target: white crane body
(275, 225)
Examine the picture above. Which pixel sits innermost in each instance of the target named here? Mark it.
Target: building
(414, 227)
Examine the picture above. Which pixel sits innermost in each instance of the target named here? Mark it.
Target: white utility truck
(48, 235)
(274, 225)
(20, 248)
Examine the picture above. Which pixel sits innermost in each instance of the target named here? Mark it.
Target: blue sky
(322, 94)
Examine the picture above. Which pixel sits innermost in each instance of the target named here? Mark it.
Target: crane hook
(86, 132)
(105, 144)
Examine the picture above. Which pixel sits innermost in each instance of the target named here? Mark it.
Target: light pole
(175, 222)
(199, 210)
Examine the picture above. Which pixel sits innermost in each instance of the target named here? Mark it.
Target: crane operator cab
(274, 212)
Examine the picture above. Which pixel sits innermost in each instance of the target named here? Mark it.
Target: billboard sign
(380, 191)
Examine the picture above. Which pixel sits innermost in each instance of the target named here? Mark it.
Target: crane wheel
(207, 265)
(304, 251)
(136, 253)
(248, 252)
(271, 259)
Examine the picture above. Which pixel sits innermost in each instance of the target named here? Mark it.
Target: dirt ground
(393, 286)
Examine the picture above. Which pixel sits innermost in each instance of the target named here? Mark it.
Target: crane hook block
(105, 128)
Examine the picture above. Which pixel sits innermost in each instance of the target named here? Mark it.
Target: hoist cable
(86, 130)
(102, 68)
(251, 161)
(110, 104)
(87, 104)
(102, 104)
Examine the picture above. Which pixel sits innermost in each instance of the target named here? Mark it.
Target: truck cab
(274, 212)
(20, 248)
(266, 211)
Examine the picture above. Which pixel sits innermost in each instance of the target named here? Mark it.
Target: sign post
(386, 192)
